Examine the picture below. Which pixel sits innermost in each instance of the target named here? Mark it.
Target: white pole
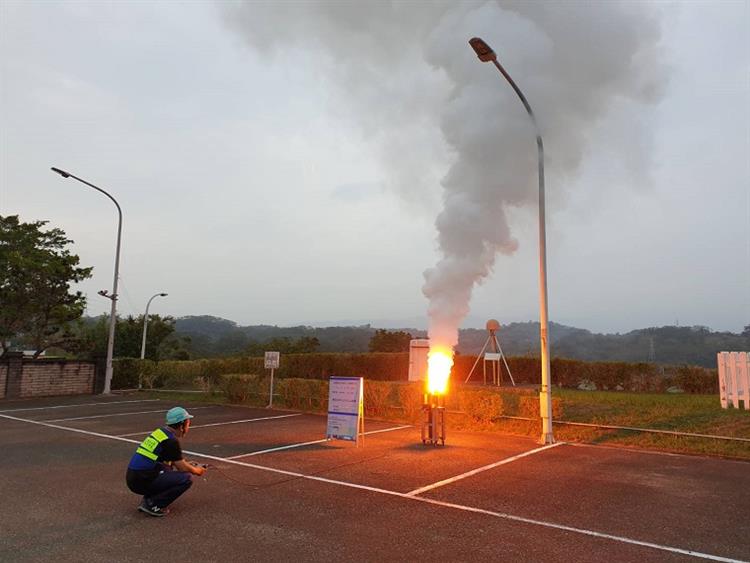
(145, 324)
(270, 393)
(143, 341)
(113, 297)
(486, 54)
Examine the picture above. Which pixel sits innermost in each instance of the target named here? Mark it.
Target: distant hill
(214, 336)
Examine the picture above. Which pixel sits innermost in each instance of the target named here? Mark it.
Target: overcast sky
(287, 166)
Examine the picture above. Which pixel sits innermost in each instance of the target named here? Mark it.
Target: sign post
(271, 361)
(346, 419)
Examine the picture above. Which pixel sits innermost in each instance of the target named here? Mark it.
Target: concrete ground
(481, 497)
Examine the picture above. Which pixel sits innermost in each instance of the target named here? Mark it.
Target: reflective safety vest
(149, 445)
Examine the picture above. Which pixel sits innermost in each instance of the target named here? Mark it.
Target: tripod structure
(494, 356)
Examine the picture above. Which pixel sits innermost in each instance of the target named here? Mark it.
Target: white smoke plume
(438, 116)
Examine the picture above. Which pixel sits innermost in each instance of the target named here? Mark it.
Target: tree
(387, 341)
(36, 271)
(303, 345)
(161, 343)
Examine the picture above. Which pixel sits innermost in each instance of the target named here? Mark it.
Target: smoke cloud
(439, 117)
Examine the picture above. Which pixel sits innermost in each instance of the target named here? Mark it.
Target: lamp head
(163, 294)
(483, 51)
(61, 172)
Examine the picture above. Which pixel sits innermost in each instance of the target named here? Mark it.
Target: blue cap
(177, 414)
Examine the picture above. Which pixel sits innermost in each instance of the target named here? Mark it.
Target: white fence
(734, 378)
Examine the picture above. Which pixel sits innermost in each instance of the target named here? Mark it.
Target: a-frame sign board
(346, 420)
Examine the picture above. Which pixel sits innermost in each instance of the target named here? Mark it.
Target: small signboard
(272, 360)
(345, 409)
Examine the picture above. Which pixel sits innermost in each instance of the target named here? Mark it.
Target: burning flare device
(439, 363)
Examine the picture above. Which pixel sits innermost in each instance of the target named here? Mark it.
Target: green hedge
(621, 376)
(481, 407)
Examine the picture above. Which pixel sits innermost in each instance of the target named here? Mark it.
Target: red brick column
(14, 376)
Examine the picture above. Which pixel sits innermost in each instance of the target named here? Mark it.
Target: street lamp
(145, 323)
(113, 296)
(486, 54)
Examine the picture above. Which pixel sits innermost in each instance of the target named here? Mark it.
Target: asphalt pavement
(277, 491)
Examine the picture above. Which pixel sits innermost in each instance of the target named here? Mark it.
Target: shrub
(480, 405)
(692, 379)
(239, 388)
(376, 399)
(395, 366)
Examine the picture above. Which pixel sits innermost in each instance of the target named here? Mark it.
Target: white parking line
(635, 450)
(479, 470)
(221, 423)
(82, 405)
(246, 420)
(511, 517)
(299, 445)
(583, 531)
(116, 414)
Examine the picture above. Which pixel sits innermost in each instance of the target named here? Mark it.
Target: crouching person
(157, 469)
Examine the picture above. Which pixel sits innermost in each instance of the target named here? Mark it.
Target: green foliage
(410, 399)
(36, 271)
(215, 337)
(389, 341)
(161, 342)
(304, 394)
(302, 345)
(482, 407)
(614, 376)
(173, 374)
(377, 398)
(245, 388)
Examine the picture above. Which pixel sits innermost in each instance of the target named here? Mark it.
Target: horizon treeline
(208, 336)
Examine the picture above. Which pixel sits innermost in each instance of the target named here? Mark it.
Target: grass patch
(701, 414)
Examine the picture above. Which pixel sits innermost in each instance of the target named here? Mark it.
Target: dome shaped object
(493, 325)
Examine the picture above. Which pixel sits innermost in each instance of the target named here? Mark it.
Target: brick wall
(24, 377)
(56, 377)
(3, 379)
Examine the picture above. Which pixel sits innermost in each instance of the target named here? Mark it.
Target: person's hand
(199, 468)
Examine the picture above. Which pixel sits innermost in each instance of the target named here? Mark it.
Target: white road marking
(82, 405)
(511, 517)
(299, 445)
(116, 414)
(585, 532)
(631, 450)
(77, 430)
(221, 423)
(653, 431)
(479, 470)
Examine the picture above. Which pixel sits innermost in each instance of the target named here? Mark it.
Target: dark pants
(161, 490)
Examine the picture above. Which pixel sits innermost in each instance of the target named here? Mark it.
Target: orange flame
(439, 363)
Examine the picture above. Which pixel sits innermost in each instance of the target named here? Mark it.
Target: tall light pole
(486, 54)
(113, 296)
(145, 323)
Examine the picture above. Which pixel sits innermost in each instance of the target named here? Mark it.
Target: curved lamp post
(113, 296)
(145, 323)
(143, 342)
(486, 54)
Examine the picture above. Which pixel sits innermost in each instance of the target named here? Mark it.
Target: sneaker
(152, 510)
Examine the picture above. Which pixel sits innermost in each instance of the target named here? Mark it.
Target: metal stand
(433, 420)
(494, 357)
(270, 392)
